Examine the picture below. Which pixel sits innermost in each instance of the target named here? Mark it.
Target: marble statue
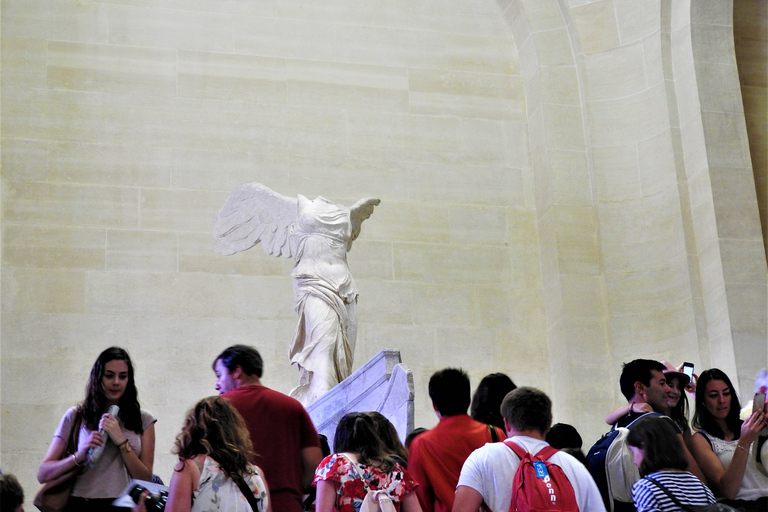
(317, 234)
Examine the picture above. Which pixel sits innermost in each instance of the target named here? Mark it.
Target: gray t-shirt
(109, 477)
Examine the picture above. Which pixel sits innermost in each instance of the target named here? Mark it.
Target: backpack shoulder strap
(494, 434)
(519, 450)
(546, 452)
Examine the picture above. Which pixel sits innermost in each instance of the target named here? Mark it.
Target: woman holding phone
(722, 444)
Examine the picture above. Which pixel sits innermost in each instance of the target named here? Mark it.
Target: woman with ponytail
(361, 464)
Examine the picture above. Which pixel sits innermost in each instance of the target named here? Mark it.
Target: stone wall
(555, 176)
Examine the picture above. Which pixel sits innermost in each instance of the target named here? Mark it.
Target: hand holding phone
(687, 369)
(758, 403)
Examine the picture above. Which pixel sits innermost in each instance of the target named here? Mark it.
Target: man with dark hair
(645, 387)
(283, 436)
(436, 456)
(488, 473)
(643, 381)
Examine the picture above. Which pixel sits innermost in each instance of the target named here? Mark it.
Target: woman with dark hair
(214, 470)
(361, 464)
(663, 467)
(127, 437)
(722, 444)
(486, 401)
(389, 438)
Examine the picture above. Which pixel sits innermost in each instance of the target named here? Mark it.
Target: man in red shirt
(284, 439)
(436, 456)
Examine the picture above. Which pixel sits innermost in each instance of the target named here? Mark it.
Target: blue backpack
(612, 467)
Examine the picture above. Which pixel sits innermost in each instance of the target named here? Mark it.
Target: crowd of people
(254, 449)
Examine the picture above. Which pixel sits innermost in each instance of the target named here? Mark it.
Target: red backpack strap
(546, 452)
(519, 450)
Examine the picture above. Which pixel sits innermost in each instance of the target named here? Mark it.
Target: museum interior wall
(565, 185)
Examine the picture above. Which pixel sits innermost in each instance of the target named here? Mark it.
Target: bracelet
(740, 446)
(631, 404)
(124, 447)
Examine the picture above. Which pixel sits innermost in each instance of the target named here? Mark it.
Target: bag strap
(248, 493)
(494, 434)
(74, 434)
(671, 496)
(544, 454)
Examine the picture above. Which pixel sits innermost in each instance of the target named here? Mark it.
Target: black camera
(153, 502)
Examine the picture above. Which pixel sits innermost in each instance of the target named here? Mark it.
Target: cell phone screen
(688, 370)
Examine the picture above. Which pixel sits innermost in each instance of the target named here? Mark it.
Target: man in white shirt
(487, 474)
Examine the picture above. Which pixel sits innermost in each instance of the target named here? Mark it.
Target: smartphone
(688, 370)
(758, 402)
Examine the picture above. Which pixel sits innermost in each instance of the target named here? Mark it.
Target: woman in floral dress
(359, 465)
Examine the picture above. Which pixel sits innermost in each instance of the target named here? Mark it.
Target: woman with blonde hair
(214, 472)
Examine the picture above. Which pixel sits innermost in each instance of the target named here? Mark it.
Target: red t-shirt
(280, 428)
(436, 457)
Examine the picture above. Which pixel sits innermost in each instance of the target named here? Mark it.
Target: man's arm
(310, 459)
(467, 499)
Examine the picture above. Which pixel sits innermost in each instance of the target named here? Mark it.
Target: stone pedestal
(382, 384)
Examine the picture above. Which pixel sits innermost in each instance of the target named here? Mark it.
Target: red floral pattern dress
(351, 490)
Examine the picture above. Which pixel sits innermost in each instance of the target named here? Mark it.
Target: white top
(754, 485)
(217, 492)
(490, 470)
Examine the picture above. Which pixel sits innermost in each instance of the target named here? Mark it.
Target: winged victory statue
(317, 234)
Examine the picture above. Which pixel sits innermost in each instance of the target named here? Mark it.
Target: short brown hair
(527, 409)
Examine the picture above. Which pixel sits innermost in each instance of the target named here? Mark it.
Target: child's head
(656, 445)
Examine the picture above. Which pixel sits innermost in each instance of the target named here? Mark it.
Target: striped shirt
(683, 485)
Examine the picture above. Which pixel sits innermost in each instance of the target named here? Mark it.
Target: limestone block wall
(126, 124)
(557, 182)
(750, 27)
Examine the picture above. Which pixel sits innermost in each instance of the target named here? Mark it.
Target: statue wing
(254, 213)
(358, 212)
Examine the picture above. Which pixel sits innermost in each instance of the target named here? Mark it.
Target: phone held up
(758, 402)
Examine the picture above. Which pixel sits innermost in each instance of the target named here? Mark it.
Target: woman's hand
(691, 387)
(95, 439)
(640, 407)
(751, 428)
(140, 506)
(111, 426)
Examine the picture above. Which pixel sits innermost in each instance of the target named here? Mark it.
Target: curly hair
(215, 428)
(95, 403)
